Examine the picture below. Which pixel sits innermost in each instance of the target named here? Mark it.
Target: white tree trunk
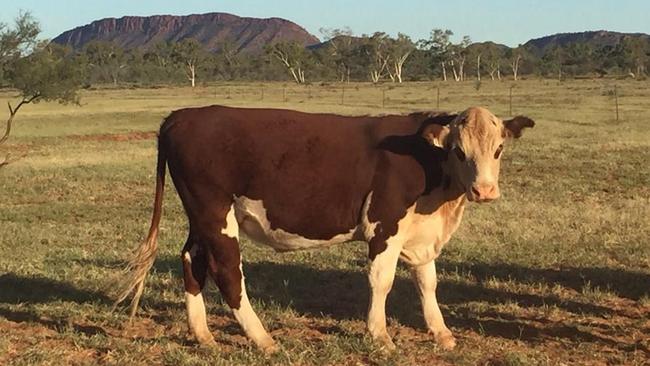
(296, 78)
(478, 67)
(284, 58)
(399, 65)
(444, 71)
(374, 76)
(461, 69)
(377, 73)
(515, 66)
(301, 76)
(453, 68)
(391, 76)
(191, 72)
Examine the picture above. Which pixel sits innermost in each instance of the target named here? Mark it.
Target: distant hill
(211, 30)
(498, 46)
(597, 39)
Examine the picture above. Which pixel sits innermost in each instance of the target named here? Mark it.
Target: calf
(296, 180)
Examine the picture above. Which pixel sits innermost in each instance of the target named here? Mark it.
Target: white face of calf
(475, 142)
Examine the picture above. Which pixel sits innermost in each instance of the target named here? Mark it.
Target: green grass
(557, 271)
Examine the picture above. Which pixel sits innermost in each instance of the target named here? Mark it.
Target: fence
(508, 98)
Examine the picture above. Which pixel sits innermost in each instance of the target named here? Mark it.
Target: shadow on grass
(15, 289)
(59, 325)
(624, 283)
(343, 294)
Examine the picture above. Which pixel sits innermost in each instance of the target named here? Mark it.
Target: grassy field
(556, 272)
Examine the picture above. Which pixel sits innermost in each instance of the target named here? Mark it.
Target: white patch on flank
(231, 229)
(367, 227)
(187, 257)
(253, 220)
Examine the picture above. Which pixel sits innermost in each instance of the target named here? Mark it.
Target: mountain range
(250, 35)
(596, 39)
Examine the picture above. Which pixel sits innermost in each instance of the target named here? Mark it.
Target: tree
(17, 41)
(293, 56)
(458, 56)
(106, 59)
(553, 60)
(636, 50)
(491, 55)
(228, 58)
(515, 57)
(154, 65)
(188, 54)
(162, 53)
(341, 48)
(439, 47)
(37, 71)
(399, 50)
(374, 55)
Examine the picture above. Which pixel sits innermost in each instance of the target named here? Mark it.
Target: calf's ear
(436, 135)
(514, 127)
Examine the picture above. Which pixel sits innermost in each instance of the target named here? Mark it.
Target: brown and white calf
(297, 180)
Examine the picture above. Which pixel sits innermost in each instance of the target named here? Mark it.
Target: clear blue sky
(505, 21)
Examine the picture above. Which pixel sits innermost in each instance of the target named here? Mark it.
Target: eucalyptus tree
(35, 70)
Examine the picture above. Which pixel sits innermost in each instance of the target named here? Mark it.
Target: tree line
(344, 57)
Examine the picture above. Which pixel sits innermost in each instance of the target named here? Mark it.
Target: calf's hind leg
(194, 275)
(224, 266)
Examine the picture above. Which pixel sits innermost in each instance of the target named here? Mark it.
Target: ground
(555, 272)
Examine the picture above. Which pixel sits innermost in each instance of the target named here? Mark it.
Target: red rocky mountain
(211, 30)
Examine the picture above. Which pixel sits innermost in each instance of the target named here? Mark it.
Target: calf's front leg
(426, 282)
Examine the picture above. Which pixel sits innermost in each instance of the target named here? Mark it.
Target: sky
(510, 22)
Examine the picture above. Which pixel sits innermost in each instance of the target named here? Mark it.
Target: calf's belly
(253, 221)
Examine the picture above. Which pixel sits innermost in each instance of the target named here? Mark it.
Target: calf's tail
(144, 256)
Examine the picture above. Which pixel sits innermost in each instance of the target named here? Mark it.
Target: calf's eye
(498, 152)
(459, 153)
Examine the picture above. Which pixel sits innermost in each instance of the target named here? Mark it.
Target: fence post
(343, 95)
(511, 86)
(616, 100)
(438, 98)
